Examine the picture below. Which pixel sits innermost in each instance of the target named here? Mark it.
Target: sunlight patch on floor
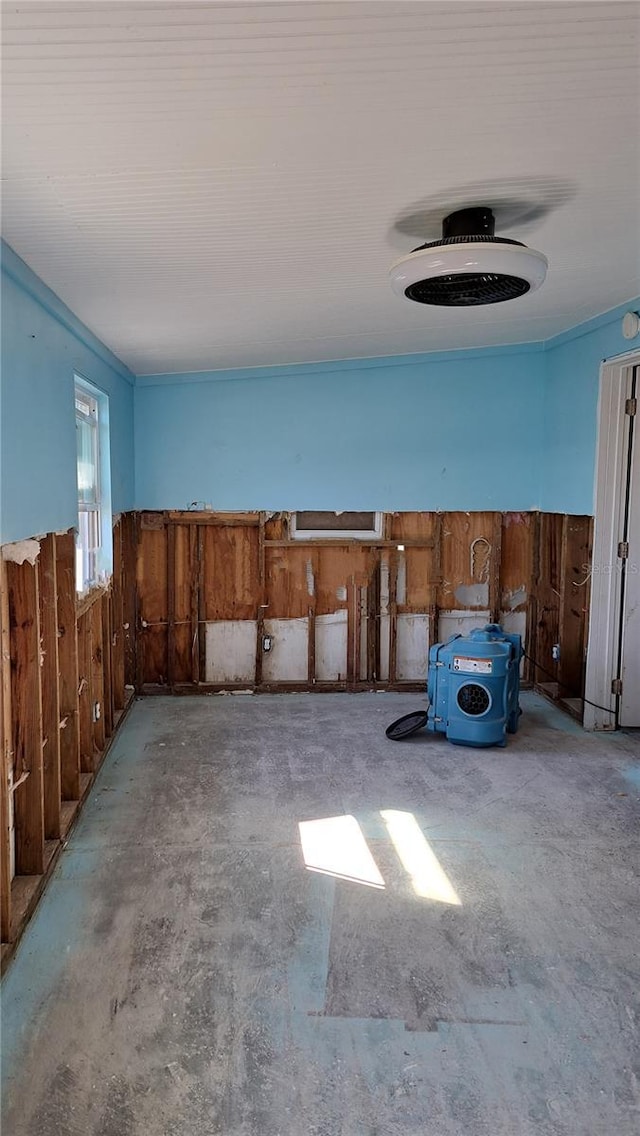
(337, 847)
(429, 879)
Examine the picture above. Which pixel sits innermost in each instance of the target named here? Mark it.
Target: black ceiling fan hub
(473, 222)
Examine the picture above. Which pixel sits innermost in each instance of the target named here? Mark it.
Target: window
(324, 525)
(93, 544)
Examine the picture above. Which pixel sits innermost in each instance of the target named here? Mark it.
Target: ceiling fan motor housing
(469, 265)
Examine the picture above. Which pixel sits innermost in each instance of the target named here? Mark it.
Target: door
(629, 711)
(612, 688)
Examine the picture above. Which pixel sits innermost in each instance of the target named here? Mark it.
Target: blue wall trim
(21, 274)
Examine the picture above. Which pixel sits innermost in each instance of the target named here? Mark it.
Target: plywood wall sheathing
(6, 762)
(26, 702)
(152, 592)
(194, 571)
(49, 669)
(68, 681)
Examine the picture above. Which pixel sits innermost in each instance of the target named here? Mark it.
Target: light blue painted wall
(456, 431)
(572, 379)
(43, 344)
(509, 428)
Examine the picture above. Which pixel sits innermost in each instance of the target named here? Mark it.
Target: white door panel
(630, 671)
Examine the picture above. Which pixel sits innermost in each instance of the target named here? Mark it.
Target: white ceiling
(217, 185)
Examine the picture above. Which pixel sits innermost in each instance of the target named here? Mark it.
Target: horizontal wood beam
(230, 520)
(350, 542)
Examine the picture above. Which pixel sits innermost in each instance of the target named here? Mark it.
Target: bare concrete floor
(187, 975)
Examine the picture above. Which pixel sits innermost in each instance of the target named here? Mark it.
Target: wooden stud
(85, 698)
(130, 598)
(262, 598)
(195, 593)
(202, 570)
(68, 668)
(171, 604)
(26, 700)
(48, 589)
(97, 676)
(117, 621)
(6, 762)
(393, 614)
(495, 592)
(107, 657)
(373, 621)
(311, 653)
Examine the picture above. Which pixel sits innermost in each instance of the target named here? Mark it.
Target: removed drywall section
(224, 600)
(43, 345)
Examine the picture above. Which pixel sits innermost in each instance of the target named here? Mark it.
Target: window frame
(338, 534)
(93, 561)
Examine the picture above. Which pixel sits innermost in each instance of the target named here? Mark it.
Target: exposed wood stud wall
(63, 693)
(198, 572)
(560, 603)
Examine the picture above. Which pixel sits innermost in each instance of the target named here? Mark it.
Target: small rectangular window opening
(318, 525)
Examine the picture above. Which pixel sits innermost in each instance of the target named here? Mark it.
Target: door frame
(606, 591)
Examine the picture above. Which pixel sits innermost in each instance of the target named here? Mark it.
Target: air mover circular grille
(473, 699)
(466, 289)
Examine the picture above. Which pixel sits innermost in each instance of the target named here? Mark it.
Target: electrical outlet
(555, 651)
(267, 642)
(96, 711)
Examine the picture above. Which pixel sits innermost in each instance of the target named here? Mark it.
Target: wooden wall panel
(288, 589)
(574, 603)
(94, 616)
(68, 668)
(230, 572)
(467, 556)
(85, 695)
(26, 701)
(117, 622)
(182, 604)
(48, 593)
(152, 594)
(516, 564)
(6, 761)
(548, 582)
(107, 663)
(129, 529)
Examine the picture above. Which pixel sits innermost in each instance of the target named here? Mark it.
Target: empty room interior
(320, 568)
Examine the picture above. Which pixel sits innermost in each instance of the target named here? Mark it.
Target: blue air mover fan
(473, 688)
